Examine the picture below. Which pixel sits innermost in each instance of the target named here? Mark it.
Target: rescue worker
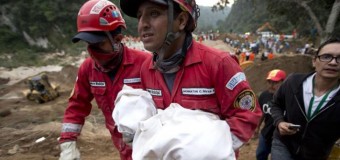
(270, 55)
(243, 56)
(252, 56)
(189, 73)
(101, 76)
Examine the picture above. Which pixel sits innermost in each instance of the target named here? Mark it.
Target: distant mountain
(246, 16)
(208, 19)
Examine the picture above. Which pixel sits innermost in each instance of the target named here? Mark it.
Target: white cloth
(69, 151)
(132, 106)
(183, 134)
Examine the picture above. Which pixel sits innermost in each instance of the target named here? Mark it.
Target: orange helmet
(97, 15)
(130, 7)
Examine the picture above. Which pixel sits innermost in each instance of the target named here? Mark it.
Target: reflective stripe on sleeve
(71, 127)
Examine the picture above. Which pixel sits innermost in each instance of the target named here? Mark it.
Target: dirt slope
(289, 63)
(22, 122)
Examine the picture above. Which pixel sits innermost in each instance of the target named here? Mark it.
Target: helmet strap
(116, 46)
(170, 36)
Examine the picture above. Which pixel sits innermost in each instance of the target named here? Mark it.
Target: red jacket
(209, 80)
(92, 83)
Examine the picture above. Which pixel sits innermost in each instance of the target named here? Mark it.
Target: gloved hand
(128, 138)
(69, 151)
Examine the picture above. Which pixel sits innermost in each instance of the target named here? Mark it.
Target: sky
(211, 2)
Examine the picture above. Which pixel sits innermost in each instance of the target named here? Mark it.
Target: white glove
(128, 138)
(69, 151)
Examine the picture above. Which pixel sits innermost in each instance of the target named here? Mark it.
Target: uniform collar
(128, 57)
(191, 56)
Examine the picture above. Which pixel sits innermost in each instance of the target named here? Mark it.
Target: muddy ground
(23, 122)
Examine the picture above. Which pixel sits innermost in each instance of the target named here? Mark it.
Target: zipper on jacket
(301, 108)
(304, 132)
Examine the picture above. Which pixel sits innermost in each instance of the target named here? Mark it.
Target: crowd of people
(184, 77)
(266, 46)
(248, 50)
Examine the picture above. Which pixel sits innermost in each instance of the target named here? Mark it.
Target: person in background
(306, 109)
(270, 55)
(189, 73)
(200, 39)
(248, 55)
(274, 79)
(243, 57)
(252, 56)
(264, 55)
(101, 76)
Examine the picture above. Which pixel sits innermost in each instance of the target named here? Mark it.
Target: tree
(220, 5)
(324, 31)
(324, 23)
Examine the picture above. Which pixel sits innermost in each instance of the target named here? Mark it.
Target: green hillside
(283, 15)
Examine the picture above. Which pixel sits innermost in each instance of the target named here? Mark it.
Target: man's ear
(183, 20)
(313, 61)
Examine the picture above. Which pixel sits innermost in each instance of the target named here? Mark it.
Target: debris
(40, 140)
(40, 89)
(14, 150)
(5, 112)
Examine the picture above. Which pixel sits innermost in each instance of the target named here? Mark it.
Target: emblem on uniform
(245, 100)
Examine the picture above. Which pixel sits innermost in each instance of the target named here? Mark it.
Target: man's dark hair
(329, 41)
(118, 30)
(177, 11)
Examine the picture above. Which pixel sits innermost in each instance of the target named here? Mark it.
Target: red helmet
(95, 17)
(130, 7)
(99, 15)
(276, 75)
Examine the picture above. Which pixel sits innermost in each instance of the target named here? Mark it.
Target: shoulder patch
(235, 80)
(245, 100)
